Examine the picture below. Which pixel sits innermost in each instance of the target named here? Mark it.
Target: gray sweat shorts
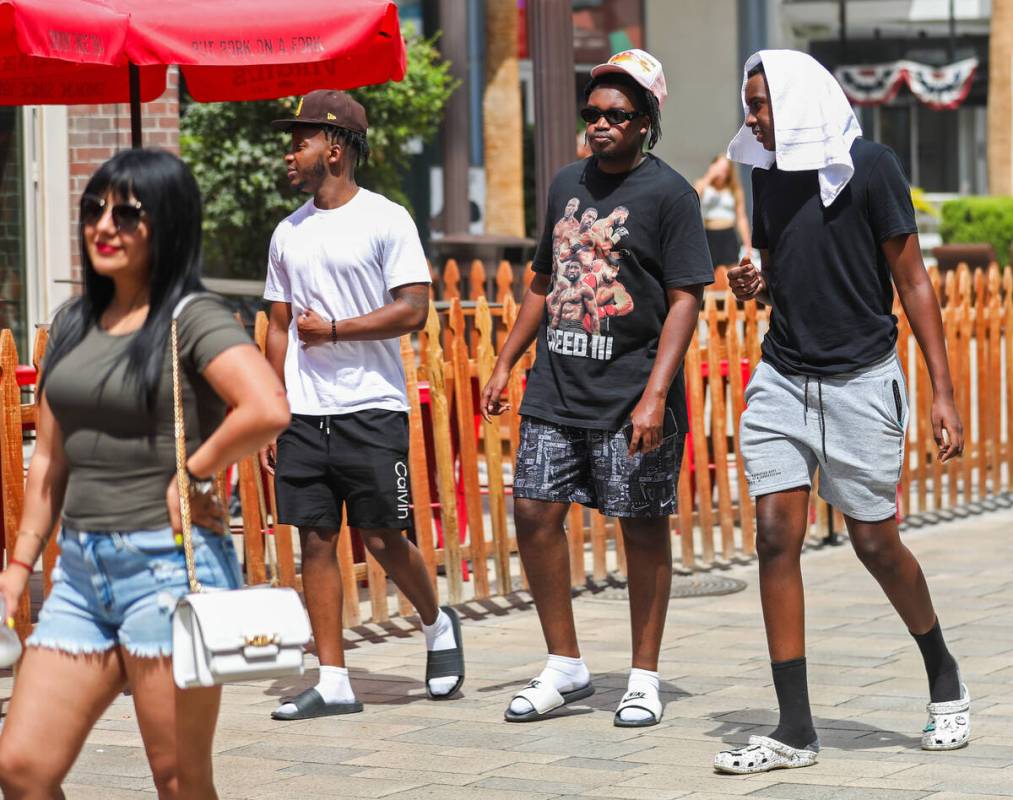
(852, 426)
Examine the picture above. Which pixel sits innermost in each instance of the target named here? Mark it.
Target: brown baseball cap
(326, 107)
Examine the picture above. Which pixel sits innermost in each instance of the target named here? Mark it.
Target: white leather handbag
(229, 635)
(238, 635)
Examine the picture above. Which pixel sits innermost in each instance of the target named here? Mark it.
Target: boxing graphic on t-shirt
(569, 223)
(612, 298)
(586, 292)
(572, 301)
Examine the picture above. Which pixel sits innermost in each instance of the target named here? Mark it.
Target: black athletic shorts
(358, 460)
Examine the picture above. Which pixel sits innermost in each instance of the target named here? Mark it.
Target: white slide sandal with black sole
(643, 701)
(544, 699)
(763, 754)
(949, 725)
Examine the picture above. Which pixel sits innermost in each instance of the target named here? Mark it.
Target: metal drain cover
(697, 585)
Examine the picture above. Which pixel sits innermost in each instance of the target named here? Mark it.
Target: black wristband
(200, 485)
(334, 331)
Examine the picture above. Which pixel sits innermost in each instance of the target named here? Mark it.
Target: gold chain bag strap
(227, 635)
(182, 475)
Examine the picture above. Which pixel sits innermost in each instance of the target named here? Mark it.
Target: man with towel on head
(835, 226)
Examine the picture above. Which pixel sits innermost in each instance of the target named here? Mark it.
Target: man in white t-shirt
(346, 278)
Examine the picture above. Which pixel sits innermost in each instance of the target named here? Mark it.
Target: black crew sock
(795, 726)
(941, 667)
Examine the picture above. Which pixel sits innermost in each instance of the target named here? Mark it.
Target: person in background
(724, 212)
(105, 461)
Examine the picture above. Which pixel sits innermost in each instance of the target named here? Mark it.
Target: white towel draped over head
(814, 125)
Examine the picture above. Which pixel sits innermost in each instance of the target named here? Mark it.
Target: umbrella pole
(135, 105)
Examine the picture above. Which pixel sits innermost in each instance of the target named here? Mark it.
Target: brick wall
(97, 132)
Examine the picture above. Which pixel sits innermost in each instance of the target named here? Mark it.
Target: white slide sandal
(643, 701)
(762, 755)
(544, 699)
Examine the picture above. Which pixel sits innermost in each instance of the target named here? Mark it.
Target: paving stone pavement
(867, 686)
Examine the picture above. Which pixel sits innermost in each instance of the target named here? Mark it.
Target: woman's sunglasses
(126, 216)
(614, 116)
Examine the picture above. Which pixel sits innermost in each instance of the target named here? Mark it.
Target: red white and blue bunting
(940, 88)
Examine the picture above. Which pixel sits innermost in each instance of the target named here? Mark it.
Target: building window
(600, 28)
(604, 27)
(941, 151)
(13, 292)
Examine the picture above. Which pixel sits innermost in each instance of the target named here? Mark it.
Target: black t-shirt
(613, 244)
(828, 279)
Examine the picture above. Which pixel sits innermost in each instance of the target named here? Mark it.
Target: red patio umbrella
(67, 52)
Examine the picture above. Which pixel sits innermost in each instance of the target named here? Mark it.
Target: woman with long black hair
(104, 461)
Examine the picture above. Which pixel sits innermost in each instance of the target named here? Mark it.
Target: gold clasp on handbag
(261, 640)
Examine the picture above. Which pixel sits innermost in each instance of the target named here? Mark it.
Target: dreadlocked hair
(643, 101)
(348, 138)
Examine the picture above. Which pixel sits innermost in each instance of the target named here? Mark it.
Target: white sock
(641, 680)
(440, 636)
(564, 674)
(333, 686)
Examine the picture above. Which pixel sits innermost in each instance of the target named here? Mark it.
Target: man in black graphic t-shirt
(604, 410)
(830, 391)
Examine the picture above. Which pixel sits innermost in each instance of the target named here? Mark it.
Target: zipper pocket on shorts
(898, 403)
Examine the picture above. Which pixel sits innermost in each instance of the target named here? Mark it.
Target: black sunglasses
(614, 116)
(126, 216)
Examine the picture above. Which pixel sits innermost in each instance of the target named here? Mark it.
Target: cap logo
(298, 108)
(628, 56)
(330, 115)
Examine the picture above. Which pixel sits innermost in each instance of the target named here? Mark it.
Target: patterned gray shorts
(561, 464)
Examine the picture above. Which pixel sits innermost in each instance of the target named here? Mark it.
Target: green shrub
(978, 220)
(236, 157)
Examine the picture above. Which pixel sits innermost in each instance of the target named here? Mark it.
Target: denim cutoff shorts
(119, 589)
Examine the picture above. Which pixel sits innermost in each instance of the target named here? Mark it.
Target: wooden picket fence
(459, 464)
(978, 321)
